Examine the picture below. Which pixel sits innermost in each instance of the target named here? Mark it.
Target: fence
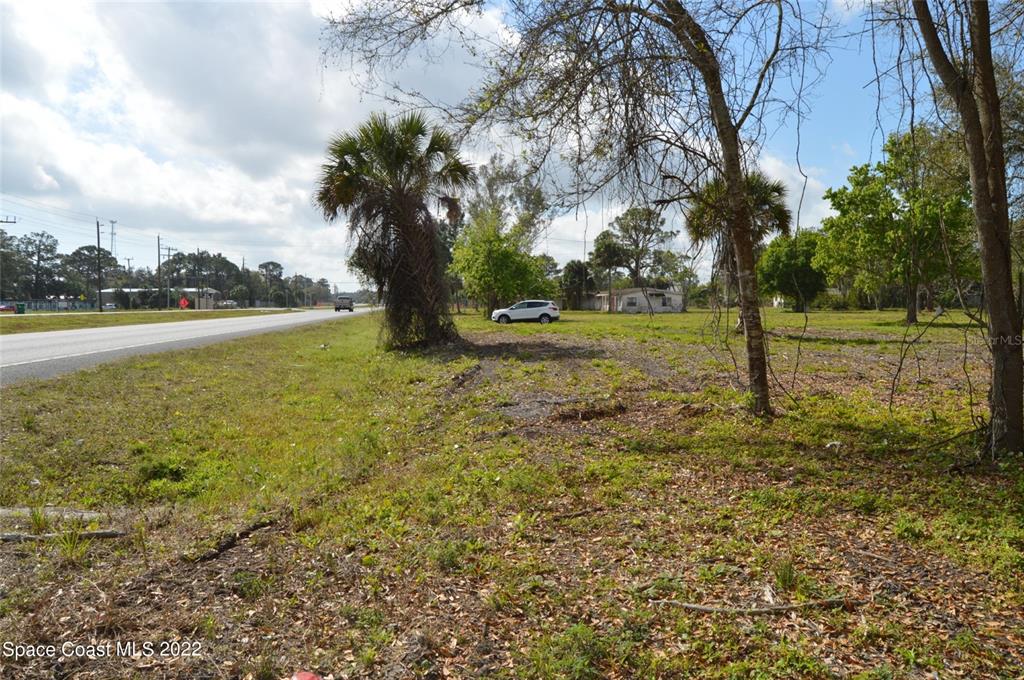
(53, 305)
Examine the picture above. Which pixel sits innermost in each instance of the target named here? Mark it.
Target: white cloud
(814, 207)
(202, 122)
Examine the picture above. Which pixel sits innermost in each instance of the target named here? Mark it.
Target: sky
(205, 124)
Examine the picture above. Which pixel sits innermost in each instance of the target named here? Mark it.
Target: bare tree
(648, 99)
(958, 39)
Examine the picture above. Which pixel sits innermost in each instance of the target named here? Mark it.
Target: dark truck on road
(343, 302)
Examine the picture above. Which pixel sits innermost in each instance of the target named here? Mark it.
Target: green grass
(250, 419)
(34, 323)
(558, 487)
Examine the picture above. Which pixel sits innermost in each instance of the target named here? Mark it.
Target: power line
(16, 198)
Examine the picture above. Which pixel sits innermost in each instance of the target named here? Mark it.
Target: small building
(640, 301)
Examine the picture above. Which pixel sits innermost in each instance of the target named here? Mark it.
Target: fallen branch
(874, 556)
(230, 541)
(773, 609)
(23, 538)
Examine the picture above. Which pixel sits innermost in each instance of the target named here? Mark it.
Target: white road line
(109, 349)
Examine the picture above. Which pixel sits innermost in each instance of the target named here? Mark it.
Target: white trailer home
(640, 301)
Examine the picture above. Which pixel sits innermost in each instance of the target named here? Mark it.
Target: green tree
(548, 265)
(640, 233)
(272, 273)
(13, 264)
(854, 248)
(381, 177)
(576, 282)
(78, 269)
(905, 221)
(961, 47)
(493, 266)
(927, 171)
(41, 261)
(253, 280)
(786, 267)
(219, 272)
(300, 288)
(239, 294)
(607, 256)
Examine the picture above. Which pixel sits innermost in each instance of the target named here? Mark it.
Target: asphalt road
(44, 355)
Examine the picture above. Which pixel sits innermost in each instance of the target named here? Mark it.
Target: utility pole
(99, 270)
(196, 269)
(131, 298)
(158, 266)
(168, 249)
(113, 234)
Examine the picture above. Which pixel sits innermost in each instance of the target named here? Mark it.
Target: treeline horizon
(33, 268)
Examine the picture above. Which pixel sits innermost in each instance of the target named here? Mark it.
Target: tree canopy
(493, 266)
(904, 221)
(641, 234)
(786, 267)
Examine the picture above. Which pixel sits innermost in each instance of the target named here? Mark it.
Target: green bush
(151, 468)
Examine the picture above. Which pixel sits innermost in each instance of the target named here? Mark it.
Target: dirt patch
(584, 411)
(531, 406)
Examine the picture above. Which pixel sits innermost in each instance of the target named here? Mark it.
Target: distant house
(639, 301)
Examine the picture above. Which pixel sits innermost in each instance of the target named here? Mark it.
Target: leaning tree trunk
(977, 101)
(697, 46)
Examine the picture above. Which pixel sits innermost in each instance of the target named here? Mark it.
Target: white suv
(544, 311)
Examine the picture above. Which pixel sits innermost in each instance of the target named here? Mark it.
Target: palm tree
(576, 282)
(707, 218)
(381, 177)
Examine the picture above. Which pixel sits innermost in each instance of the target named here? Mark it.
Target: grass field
(32, 323)
(537, 502)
